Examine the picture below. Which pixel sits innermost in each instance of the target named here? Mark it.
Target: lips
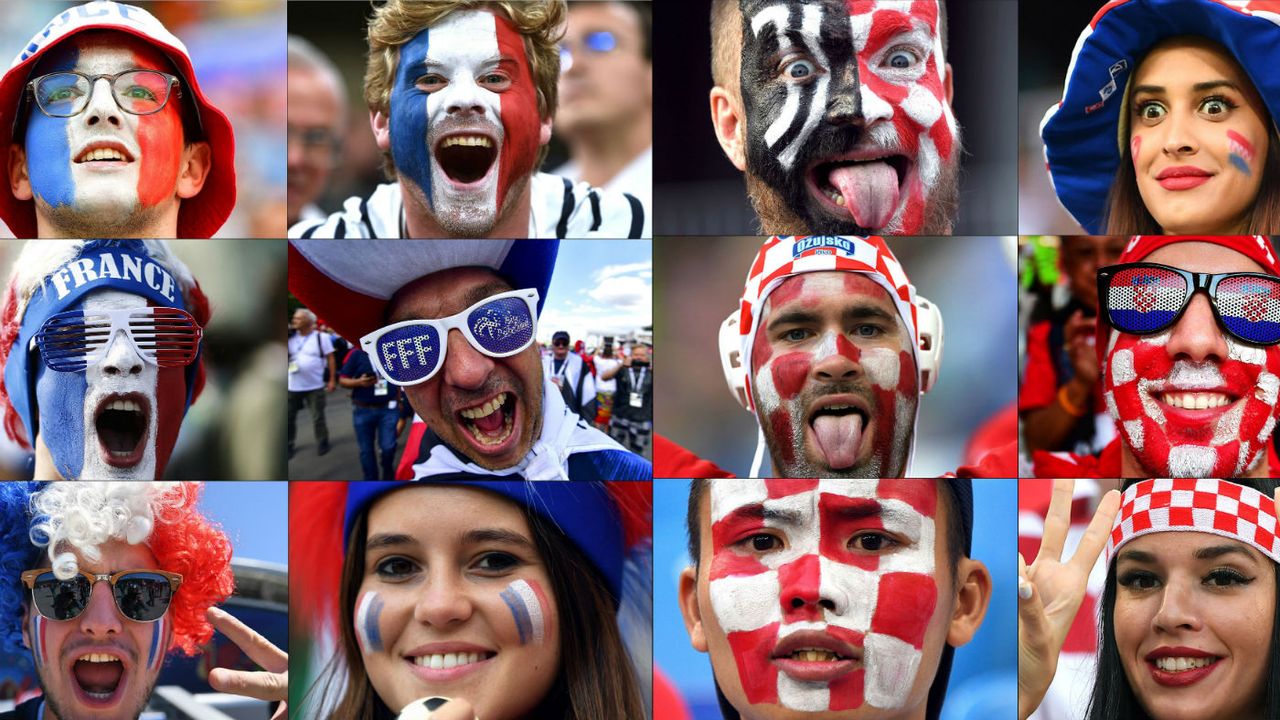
(1183, 177)
(491, 426)
(122, 424)
(467, 157)
(863, 186)
(838, 424)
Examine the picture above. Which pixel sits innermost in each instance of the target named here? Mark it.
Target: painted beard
(1185, 419)
(465, 142)
(848, 129)
(823, 620)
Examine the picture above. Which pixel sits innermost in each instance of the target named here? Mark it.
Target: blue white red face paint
(368, 614)
(464, 124)
(528, 607)
(824, 588)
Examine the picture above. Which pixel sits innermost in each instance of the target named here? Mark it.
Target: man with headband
(453, 322)
(839, 113)
(1187, 345)
(100, 347)
(836, 598)
(104, 133)
(461, 97)
(105, 580)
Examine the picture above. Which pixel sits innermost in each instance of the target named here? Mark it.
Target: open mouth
(110, 152)
(491, 423)
(838, 429)
(121, 422)
(867, 189)
(98, 676)
(466, 158)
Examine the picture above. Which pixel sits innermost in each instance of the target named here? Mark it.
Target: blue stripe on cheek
(408, 118)
(48, 148)
(60, 400)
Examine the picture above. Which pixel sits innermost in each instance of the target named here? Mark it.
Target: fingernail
(1024, 589)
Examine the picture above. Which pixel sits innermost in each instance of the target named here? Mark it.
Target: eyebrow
(1198, 87)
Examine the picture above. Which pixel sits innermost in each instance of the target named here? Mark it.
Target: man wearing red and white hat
(104, 133)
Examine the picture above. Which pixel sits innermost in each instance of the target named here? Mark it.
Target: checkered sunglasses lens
(502, 327)
(140, 596)
(410, 353)
(1143, 300)
(1250, 308)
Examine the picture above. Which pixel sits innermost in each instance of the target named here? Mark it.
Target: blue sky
(600, 287)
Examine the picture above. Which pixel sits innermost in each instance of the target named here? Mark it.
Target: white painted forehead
(111, 300)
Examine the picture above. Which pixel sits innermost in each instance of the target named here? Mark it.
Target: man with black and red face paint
(839, 112)
(110, 134)
(1191, 380)
(831, 598)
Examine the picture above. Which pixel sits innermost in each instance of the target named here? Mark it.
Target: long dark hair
(1113, 697)
(596, 679)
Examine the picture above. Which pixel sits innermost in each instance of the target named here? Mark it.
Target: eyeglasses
(71, 341)
(141, 595)
(139, 92)
(411, 352)
(1145, 298)
(597, 43)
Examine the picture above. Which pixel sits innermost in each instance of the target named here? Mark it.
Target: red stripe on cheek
(790, 372)
(171, 399)
(798, 589)
(751, 650)
(904, 606)
(521, 124)
(160, 141)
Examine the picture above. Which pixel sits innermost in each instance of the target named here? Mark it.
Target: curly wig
(162, 515)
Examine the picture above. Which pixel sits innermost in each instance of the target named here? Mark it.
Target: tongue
(870, 192)
(838, 437)
(490, 424)
(98, 677)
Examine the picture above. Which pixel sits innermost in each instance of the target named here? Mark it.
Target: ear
(973, 594)
(544, 132)
(381, 129)
(947, 89)
(690, 610)
(727, 120)
(19, 182)
(197, 161)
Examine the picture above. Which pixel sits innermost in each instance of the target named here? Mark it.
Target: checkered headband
(1217, 507)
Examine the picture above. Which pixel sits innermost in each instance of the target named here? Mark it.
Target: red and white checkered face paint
(825, 588)
(1217, 507)
(1192, 419)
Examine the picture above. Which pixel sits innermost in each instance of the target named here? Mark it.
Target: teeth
(467, 140)
(125, 405)
(102, 154)
(445, 661)
(484, 410)
(1196, 400)
(99, 658)
(1182, 664)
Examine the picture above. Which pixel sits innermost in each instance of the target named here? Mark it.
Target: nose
(102, 106)
(802, 594)
(1179, 135)
(844, 106)
(121, 358)
(444, 601)
(836, 359)
(1196, 336)
(100, 618)
(464, 366)
(1177, 609)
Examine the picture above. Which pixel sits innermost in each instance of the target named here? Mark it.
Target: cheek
(532, 615)
(60, 397)
(368, 622)
(160, 141)
(49, 159)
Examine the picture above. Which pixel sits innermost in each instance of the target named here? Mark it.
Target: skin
(849, 347)
(315, 104)
(118, 199)
(1172, 124)
(440, 582)
(955, 618)
(470, 378)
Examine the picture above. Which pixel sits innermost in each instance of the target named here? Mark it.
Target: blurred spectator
(378, 413)
(317, 122)
(569, 373)
(310, 354)
(633, 416)
(606, 96)
(606, 366)
(1061, 398)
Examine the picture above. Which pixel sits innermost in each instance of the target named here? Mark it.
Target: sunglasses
(164, 336)
(1146, 298)
(141, 595)
(411, 352)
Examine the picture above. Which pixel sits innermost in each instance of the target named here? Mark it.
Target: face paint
(1181, 418)
(368, 612)
(528, 608)
(809, 564)
(464, 121)
(1241, 151)
(831, 406)
(846, 114)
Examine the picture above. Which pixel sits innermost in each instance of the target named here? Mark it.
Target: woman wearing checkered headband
(1189, 620)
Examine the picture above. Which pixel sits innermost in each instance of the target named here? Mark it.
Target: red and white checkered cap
(782, 257)
(1217, 507)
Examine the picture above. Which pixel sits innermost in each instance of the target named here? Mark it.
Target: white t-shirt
(307, 355)
(604, 365)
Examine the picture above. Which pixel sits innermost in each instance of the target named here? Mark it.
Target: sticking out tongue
(839, 437)
(870, 192)
(101, 678)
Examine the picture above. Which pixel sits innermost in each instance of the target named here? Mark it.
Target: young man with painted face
(831, 598)
(1190, 372)
(105, 133)
(839, 113)
(461, 96)
(100, 348)
(454, 322)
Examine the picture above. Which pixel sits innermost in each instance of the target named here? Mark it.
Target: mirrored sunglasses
(71, 341)
(140, 595)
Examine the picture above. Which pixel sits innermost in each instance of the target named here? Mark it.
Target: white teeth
(467, 140)
(99, 658)
(484, 410)
(1196, 400)
(445, 661)
(1182, 664)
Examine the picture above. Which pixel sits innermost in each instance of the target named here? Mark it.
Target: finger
(258, 648)
(1057, 521)
(261, 685)
(1095, 537)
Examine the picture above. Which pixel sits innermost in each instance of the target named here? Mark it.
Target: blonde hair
(539, 22)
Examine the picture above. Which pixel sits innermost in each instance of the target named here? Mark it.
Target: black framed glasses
(139, 92)
(1146, 298)
(141, 595)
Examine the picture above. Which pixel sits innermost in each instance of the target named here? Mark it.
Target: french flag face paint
(104, 161)
(368, 613)
(529, 609)
(825, 588)
(464, 125)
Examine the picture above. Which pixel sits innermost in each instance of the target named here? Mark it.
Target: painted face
(1193, 616)
(825, 593)
(117, 419)
(848, 119)
(833, 378)
(120, 688)
(1198, 138)
(1193, 401)
(459, 606)
(104, 167)
(464, 124)
(470, 380)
